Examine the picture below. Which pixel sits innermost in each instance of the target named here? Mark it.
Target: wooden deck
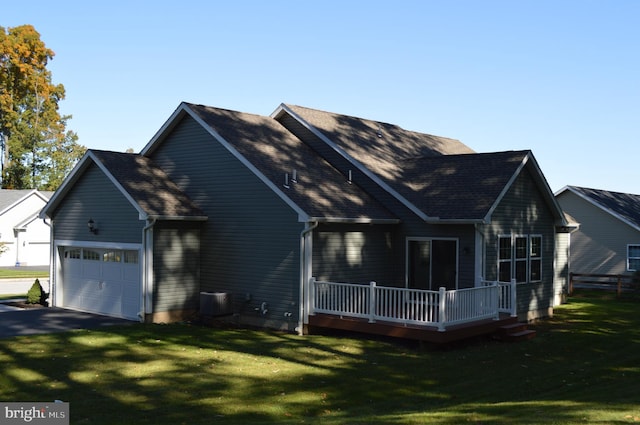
(415, 332)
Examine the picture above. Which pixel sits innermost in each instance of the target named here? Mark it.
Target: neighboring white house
(25, 237)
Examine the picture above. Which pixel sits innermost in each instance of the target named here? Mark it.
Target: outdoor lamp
(92, 226)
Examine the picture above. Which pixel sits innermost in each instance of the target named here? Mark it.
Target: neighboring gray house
(608, 239)
(24, 236)
(253, 206)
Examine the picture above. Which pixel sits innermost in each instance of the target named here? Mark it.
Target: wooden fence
(617, 282)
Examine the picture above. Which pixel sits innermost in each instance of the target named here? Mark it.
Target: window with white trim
(520, 258)
(535, 258)
(633, 257)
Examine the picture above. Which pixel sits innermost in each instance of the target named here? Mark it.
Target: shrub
(36, 294)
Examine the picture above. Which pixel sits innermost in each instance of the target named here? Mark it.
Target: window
(520, 258)
(131, 257)
(72, 253)
(112, 256)
(535, 258)
(633, 258)
(504, 258)
(90, 255)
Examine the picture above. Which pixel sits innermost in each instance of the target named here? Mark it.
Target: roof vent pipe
(349, 179)
(294, 177)
(286, 180)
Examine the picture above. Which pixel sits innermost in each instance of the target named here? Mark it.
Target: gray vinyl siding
(411, 226)
(356, 254)
(561, 268)
(342, 164)
(363, 253)
(250, 242)
(176, 266)
(600, 244)
(94, 196)
(523, 211)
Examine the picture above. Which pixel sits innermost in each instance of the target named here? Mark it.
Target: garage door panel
(100, 281)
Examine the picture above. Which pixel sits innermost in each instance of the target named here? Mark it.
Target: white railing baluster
(372, 302)
(513, 299)
(440, 308)
(442, 313)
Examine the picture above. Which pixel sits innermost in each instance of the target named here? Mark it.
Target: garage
(102, 280)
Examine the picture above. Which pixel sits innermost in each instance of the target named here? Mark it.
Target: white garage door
(104, 281)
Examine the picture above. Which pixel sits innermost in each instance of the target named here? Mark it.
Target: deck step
(515, 332)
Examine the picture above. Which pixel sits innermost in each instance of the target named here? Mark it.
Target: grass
(8, 273)
(583, 367)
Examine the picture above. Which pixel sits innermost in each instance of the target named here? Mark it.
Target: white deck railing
(440, 308)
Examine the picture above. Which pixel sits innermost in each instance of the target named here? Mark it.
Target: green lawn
(21, 273)
(583, 367)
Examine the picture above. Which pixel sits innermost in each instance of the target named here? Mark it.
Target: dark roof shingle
(321, 190)
(625, 205)
(148, 185)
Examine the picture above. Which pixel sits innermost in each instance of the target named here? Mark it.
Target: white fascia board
(175, 217)
(141, 213)
(356, 163)
(173, 120)
(540, 181)
(26, 222)
(21, 200)
(303, 216)
(603, 208)
(356, 220)
(94, 244)
(66, 185)
(547, 192)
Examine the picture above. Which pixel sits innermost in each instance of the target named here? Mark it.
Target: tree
(37, 149)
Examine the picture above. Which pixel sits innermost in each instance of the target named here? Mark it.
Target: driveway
(18, 322)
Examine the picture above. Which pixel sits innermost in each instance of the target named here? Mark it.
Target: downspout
(52, 262)
(303, 277)
(147, 274)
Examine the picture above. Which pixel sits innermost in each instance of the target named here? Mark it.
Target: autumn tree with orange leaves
(37, 151)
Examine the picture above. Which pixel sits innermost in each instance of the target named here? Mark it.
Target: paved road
(21, 286)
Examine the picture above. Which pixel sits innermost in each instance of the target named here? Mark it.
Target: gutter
(52, 262)
(147, 272)
(301, 311)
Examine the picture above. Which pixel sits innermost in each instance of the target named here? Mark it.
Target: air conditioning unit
(215, 304)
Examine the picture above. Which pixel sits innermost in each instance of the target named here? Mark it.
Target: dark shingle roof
(625, 205)
(148, 185)
(321, 190)
(379, 146)
(457, 187)
(442, 177)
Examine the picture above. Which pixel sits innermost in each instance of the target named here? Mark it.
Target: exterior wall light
(92, 226)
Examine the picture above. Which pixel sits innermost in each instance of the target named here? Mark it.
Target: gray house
(608, 240)
(255, 209)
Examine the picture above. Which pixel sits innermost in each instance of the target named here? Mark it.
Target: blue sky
(561, 78)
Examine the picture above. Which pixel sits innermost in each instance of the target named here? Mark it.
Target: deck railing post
(442, 314)
(372, 302)
(312, 295)
(514, 298)
(496, 299)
